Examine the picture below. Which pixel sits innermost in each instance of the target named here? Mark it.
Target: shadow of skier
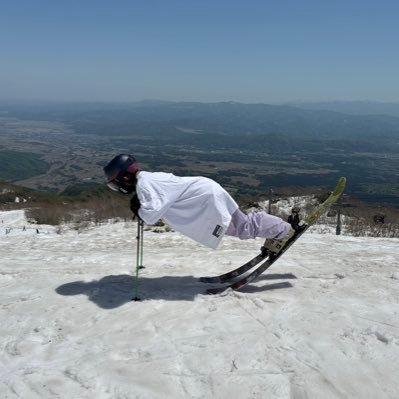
(252, 289)
(277, 276)
(114, 291)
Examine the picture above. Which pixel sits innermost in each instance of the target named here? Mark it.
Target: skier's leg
(257, 224)
(240, 226)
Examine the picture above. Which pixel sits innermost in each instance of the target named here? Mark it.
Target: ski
(257, 272)
(307, 222)
(223, 278)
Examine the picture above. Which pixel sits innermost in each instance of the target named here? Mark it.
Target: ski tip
(340, 185)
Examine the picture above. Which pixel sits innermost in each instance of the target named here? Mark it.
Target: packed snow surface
(323, 322)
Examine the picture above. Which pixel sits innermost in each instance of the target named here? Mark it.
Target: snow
(284, 206)
(321, 323)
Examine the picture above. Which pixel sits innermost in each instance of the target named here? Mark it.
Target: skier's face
(125, 184)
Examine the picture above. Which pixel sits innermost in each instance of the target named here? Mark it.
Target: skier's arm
(153, 206)
(135, 206)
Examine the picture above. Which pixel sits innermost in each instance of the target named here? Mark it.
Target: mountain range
(324, 120)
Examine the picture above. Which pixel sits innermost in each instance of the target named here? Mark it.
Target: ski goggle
(114, 186)
(123, 179)
(123, 184)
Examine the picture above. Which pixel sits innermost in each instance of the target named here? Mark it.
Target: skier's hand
(135, 206)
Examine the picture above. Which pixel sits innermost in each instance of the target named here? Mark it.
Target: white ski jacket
(198, 207)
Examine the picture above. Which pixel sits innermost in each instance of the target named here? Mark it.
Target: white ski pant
(256, 224)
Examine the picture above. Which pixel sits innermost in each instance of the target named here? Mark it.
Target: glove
(135, 206)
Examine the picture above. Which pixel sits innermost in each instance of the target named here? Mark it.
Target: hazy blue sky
(250, 51)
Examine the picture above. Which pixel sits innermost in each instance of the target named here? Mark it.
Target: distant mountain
(224, 118)
(353, 107)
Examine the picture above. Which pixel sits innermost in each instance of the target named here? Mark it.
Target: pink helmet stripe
(133, 168)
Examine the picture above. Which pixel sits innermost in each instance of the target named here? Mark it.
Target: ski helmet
(121, 173)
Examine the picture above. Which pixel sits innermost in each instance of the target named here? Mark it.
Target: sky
(219, 50)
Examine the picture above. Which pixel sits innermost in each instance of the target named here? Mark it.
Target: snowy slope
(323, 322)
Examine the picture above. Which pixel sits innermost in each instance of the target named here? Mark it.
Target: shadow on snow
(116, 290)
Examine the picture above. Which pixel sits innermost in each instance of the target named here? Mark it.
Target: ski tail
(236, 272)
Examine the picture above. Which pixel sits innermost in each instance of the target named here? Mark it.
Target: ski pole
(139, 257)
(141, 266)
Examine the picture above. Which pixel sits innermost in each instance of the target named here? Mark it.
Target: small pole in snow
(339, 223)
(269, 208)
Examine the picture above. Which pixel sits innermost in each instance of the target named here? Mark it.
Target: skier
(198, 207)
(293, 219)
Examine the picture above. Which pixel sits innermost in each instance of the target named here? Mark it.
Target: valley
(247, 164)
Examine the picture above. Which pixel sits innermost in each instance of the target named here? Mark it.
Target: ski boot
(274, 246)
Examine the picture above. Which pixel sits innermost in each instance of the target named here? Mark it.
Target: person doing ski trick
(197, 207)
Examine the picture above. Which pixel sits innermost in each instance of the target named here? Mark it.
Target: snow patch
(323, 317)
